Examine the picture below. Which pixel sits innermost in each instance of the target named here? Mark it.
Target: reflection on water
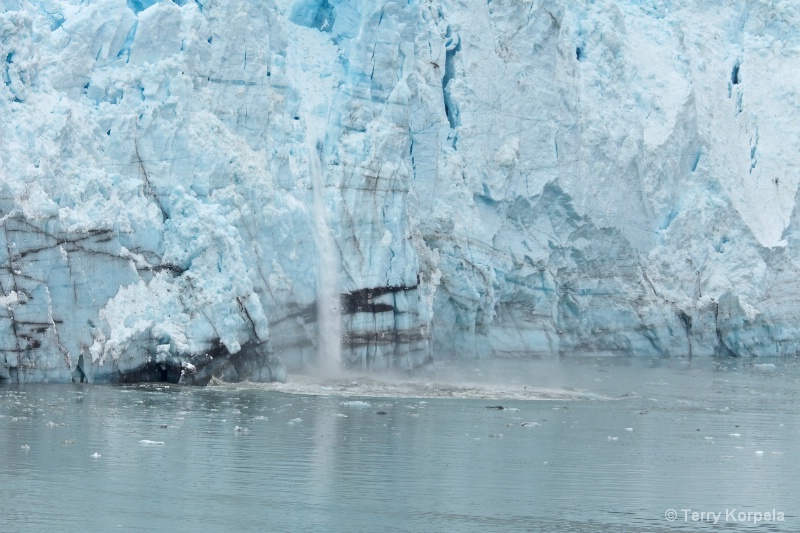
(614, 447)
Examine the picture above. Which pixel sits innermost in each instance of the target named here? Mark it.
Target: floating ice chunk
(777, 453)
(145, 442)
(613, 438)
(96, 455)
(240, 429)
(295, 421)
(25, 447)
(340, 415)
(735, 435)
(760, 452)
(356, 403)
(628, 429)
(51, 424)
(496, 435)
(765, 367)
(513, 409)
(530, 424)
(261, 418)
(709, 438)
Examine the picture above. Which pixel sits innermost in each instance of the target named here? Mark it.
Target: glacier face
(511, 178)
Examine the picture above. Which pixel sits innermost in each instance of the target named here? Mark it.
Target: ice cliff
(181, 181)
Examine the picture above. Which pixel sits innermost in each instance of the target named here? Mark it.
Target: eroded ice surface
(504, 178)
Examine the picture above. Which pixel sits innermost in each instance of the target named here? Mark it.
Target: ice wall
(501, 178)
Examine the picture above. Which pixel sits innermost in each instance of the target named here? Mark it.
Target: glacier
(227, 188)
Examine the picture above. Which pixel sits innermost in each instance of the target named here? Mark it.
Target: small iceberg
(356, 403)
(145, 442)
(765, 367)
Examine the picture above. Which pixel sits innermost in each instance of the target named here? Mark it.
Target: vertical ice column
(329, 325)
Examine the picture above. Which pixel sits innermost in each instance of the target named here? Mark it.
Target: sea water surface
(586, 445)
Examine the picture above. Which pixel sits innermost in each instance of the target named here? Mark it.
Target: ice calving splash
(356, 386)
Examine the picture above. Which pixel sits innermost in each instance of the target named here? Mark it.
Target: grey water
(611, 445)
